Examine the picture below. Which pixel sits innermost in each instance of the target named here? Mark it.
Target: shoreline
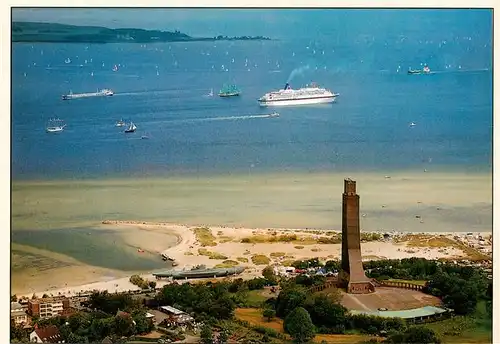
(227, 241)
(414, 172)
(165, 211)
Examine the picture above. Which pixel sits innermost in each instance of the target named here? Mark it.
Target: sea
(163, 89)
(183, 132)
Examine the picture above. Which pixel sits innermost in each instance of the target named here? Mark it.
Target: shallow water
(91, 246)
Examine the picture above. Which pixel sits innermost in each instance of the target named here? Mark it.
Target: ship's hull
(85, 95)
(303, 101)
(227, 95)
(199, 273)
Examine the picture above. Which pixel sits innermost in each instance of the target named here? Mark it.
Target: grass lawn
(255, 298)
(475, 328)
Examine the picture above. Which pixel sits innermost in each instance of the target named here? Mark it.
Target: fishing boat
(120, 123)
(55, 126)
(229, 91)
(131, 128)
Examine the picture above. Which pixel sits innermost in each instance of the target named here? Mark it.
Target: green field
(475, 328)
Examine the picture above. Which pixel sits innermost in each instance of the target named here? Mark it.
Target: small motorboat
(55, 126)
(412, 124)
(131, 128)
(144, 137)
(274, 114)
(120, 123)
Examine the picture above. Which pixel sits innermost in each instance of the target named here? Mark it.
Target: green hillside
(51, 32)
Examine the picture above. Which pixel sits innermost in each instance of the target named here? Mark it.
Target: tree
(206, 334)
(290, 298)
(299, 325)
(269, 313)
(101, 328)
(332, 266)
(152, 284)
(142, 324)
(19, 333)
(13, 298)
(223, 337)
(268, 273)
(324, 312)
(123, 325)
(415, 335)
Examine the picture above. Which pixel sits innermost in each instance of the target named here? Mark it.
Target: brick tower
(352, 276)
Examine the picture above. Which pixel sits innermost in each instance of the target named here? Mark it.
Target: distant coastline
(61, 33)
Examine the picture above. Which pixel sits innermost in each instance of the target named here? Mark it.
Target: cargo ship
(100, 93)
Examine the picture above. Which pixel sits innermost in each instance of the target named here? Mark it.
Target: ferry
(312, 94)
(100, 93)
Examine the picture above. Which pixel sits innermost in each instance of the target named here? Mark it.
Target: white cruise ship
(100, 93)
(311, 94)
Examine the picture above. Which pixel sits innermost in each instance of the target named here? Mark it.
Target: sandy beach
(227, 241)
(59, 240)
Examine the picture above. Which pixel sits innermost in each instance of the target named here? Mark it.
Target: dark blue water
(367, 129)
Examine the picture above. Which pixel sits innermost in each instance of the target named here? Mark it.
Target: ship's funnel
(287, 86)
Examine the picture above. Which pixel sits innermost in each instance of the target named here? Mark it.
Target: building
(177, 316)
(48, 307)
(18, 315)
(150, 316)
(48, 334)
(352, 275)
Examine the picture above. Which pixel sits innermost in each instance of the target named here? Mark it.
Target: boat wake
(460, 71)
(227, 118)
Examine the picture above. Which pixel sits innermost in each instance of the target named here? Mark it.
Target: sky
(274, 23)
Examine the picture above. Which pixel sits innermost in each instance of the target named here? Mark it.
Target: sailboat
(131, 128)
(55, 126)
(211, 93)
(229, 91)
